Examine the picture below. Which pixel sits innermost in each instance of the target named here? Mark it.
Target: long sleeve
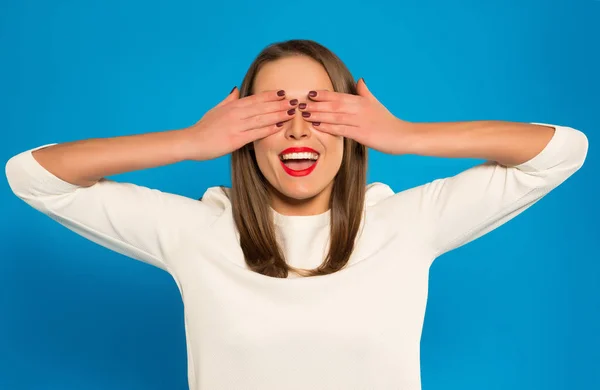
(453, 211)
(132, 220)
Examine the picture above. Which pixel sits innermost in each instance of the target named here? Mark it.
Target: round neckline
(316, 220)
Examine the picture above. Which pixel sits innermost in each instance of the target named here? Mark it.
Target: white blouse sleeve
(453, 211)
(132, 220)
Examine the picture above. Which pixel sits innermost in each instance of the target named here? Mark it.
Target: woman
(299, 206)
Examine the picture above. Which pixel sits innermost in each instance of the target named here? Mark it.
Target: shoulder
(376, 192)
(217, 197)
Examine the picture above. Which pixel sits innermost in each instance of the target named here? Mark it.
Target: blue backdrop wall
(516, 309)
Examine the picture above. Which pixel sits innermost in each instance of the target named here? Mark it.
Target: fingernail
(306, 114)
(281, 92)
(316, 123)
(312, 93)
(293, 102)
(279, 124)
(302, 106)
(292, 111)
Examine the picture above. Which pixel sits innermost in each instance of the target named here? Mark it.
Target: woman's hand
(360, 117)
(236, 122)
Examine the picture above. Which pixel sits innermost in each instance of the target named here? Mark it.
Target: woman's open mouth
(299, 164)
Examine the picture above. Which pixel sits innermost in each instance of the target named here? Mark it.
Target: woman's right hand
(236, 122)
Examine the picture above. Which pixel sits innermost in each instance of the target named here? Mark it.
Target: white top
(359, 328)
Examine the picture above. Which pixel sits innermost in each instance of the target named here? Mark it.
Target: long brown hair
(249, 193)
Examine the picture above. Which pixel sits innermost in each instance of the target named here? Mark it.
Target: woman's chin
(298, 193)
(293, 191)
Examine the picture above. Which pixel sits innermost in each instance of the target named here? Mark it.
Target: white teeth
(300, 156)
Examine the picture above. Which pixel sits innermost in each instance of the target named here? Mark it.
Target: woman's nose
(298, 127)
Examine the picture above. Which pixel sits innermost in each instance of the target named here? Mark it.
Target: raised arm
(532, 160)
(525, 161)
(67, 183)
(84, 162)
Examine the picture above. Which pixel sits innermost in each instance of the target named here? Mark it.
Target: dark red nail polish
(292, 111)
(281, 92)
(302, 106)
(306, 114)
(293, 102)
(312, 93)
(316, 123)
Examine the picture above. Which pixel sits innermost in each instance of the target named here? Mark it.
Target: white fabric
(358, 328)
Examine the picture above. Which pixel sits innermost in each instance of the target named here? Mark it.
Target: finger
(330, 106)
(260, 133)
(344, 131)
(331, 117)
(324, 95)
(268, 107)
(233, 95)
(256, 122)
(265, 96)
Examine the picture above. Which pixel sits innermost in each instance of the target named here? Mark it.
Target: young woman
(299, 276)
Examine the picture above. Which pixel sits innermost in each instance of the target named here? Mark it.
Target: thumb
(363, 90)
(233, 95)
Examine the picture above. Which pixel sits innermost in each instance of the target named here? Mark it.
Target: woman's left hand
(360, 117)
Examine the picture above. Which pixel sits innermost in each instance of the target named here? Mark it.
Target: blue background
(517, 309)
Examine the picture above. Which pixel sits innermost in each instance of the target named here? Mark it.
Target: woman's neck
(317, 204)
